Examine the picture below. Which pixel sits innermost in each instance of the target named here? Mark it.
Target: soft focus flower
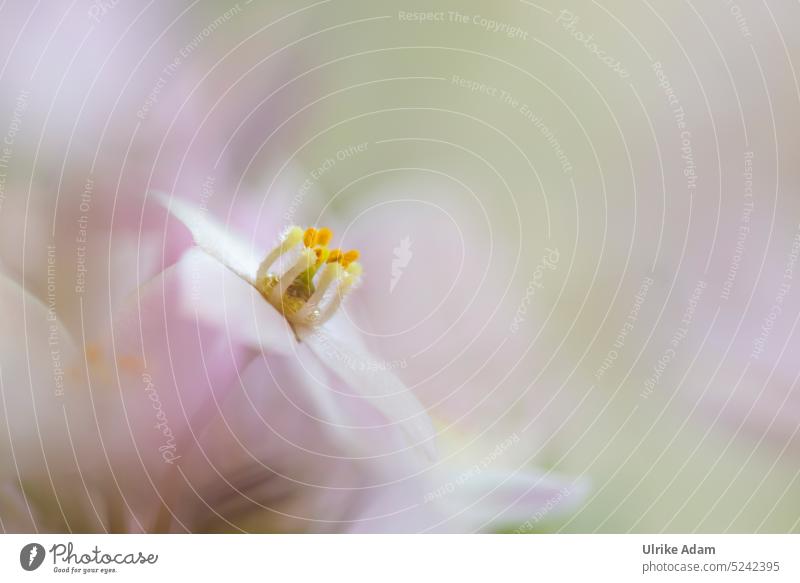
(212, 401)
(441, 307)
(152, 385)
(471, 487)
(162, 349)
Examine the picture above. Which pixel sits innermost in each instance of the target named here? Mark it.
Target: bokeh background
(594, 207)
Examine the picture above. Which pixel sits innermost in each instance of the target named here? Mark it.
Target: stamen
(291, 238)
(324, 236)
(295, 293)
(335, 256)
(283, 283)
(332, 272)
(348, 282)
(349, 257)
(309, 237)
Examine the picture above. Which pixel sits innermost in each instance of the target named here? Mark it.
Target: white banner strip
(401, 558)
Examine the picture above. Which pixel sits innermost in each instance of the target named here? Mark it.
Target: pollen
(349, 257)
(310, 237)
(324, 236)
(304, 279)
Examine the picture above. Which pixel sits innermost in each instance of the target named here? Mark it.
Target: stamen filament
(292, 237)
(332, 272)
(347, 282)
(306, 260)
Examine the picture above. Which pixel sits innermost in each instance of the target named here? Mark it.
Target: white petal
(485, 499)
(340, 349)
(216, 297)
(213, 238)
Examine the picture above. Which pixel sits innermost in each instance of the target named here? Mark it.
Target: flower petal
(339, 348)
(487, 499)
(213, 238)
(213, 295)
(268, 463)
(34, 350)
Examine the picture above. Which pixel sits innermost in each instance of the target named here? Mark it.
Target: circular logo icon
(31, 556)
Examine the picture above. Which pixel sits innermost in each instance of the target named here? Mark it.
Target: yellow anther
(309, 237)
(334, 256)
(322, 255)
(324, 236)
(349, 257)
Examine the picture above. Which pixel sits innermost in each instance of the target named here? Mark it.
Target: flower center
(304, 279)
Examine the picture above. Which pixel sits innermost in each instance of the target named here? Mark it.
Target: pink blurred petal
(336, 345)
(214, 238)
